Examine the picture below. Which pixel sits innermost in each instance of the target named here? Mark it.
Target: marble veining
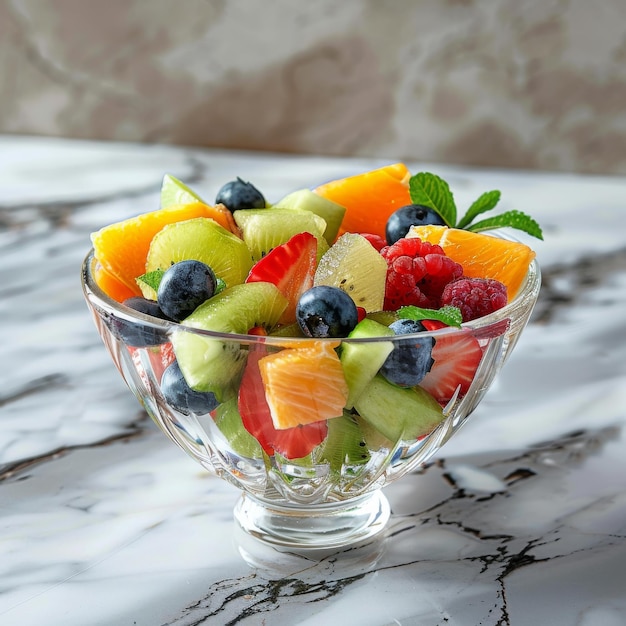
(520, 519)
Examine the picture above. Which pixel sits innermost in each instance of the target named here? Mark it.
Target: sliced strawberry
(456, 358)
(433, 324)
(161, 357)
(292, 443)
(376, 240)
(291, 267)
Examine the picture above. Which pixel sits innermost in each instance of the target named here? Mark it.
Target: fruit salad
(322, 328)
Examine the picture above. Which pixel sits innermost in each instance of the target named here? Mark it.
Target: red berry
(417, 272)
(376, 240)
(475, 297)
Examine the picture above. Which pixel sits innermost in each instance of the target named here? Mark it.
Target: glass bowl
(331, 497)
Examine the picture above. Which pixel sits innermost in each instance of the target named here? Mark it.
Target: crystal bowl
(322, 500)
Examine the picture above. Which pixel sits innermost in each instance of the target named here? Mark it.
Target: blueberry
(411, 359)
(184, 287)
(400, 221)
(136, 334)
(325, 311)
(239, 194)
(181, 397)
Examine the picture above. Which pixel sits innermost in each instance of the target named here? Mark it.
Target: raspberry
(475, 297)
(417, 272)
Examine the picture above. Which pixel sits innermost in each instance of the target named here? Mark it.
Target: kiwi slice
(264, 229)
(361, 361)
(212, 364)
(354, 265)
(228, 420)
(386, 318)
(174, 192)
(374, 439)
(288, 330)
(344, 444)
(398, 413)
(307, 200)
(202, 239)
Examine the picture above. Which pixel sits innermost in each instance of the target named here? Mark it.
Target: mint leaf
(220, 285)
(152, 279)
(431, 191)
(510, 219)
(449, 315)
(486, 202)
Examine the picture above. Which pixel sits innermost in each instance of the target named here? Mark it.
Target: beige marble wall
(512, 83)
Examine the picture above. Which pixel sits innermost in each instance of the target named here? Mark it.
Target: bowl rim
(526, 296)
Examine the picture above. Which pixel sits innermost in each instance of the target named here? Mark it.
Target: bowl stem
(316, 527)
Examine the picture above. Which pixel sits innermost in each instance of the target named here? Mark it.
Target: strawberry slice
(292, 443)
(456, 358)
(161, 357)
(291, 267)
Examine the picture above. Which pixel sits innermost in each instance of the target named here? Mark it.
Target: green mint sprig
(432, 191)
(449, 315)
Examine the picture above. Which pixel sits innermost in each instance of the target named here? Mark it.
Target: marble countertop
(521, 519)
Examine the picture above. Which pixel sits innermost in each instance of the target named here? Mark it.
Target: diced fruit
(210, 364)
(456, 358)
(159, 358)
(411, 359)
(291, 267)
(136, 334)
(400, 221)
(174, 192)
(239, 194)
(181, 397)
(369, 198)
(122, 248)
(398, 413)
(304, 385)
(482, 256)
(362, 360)
(184, 287)
(344, 445)
(239, 308)
(417, 273)
(228, 420)
(353, 265)
(306, 200)
(475, 297)
(292, 443)
(324, 311)
(264, 229)
(204, 240)
(386, 318)
(113, 287)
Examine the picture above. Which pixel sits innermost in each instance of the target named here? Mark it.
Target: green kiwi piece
(289, 330)
(398, 413)
(228, 420)
(354, 265)
(374, 439)
(344, 443)
(307, 200)
(264, 229)
(202, 239)
(174, 192)
(361, 361)
(212, 364)
(386, 318)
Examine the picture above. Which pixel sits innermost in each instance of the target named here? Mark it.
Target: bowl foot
(313, 527)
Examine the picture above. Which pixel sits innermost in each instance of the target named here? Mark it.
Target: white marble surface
(521, 519)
